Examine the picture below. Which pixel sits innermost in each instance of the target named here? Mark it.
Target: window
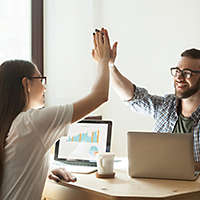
(37, 33)
(21, 35)
(15, 34)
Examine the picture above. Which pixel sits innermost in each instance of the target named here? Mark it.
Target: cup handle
(101, 162)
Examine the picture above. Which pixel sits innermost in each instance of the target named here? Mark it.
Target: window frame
(37, 37)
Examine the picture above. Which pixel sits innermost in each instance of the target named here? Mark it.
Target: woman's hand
(61, 174)
(101, 36)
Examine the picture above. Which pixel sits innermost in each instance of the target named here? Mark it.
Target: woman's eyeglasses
(43, 79)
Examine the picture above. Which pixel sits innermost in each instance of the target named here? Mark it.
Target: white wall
(151, 36)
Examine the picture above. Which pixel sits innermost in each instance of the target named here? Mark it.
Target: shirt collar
(195, 115)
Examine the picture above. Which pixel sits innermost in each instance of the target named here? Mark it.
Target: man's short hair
(191, 53)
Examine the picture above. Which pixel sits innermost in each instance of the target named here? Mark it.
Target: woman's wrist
(103, 62)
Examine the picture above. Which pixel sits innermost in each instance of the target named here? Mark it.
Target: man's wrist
(111, 65)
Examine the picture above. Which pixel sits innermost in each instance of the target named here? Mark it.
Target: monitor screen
(84, 140)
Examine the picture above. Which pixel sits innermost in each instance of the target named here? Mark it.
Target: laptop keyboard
(79, 163)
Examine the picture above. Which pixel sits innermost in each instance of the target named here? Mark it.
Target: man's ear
(26, 85)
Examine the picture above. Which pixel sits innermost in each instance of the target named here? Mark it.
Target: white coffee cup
(105, 163)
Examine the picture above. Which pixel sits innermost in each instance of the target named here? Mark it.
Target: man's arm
(122, 86)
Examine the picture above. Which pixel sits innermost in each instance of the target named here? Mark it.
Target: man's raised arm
(122, 86)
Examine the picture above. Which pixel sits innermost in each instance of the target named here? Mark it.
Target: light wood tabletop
(122, 187)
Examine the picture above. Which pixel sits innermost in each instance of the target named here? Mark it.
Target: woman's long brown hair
(12, 98)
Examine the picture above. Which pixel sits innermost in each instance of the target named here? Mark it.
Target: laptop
(85, 139)
(161, 155)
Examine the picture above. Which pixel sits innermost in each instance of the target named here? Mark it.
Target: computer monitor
(85, 139)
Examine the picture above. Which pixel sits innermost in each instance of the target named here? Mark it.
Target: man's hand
(113, 53)
(61, 174)
(197, 166)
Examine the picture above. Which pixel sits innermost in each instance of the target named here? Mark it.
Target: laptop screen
(85, 139)
(161, 155)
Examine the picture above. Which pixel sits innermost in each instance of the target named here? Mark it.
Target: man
(175, 113)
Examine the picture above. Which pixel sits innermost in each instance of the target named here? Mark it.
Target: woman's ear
(26, 85)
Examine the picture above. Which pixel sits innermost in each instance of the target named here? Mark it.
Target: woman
(27, 133)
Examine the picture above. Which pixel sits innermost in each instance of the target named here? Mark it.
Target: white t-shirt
(26, 153)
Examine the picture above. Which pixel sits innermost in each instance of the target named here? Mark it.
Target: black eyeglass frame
(39, 77)
(184, 70)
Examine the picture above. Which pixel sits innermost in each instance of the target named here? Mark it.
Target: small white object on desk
(105, 163)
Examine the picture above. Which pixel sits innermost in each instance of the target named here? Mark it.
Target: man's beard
(189, 92)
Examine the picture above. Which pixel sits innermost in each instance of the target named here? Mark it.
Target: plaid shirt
(164, 111)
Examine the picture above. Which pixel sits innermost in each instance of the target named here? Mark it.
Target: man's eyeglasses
(186, 73)
(43, 79)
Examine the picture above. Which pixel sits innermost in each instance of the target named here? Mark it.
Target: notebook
(85, 139)
(161, 155)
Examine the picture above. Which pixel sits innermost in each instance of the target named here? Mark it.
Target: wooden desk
(122, 187)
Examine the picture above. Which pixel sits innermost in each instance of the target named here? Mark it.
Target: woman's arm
(122, 86)
(100, 90)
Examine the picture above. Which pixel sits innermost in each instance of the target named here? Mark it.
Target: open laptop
(161, 155)
(85, 139)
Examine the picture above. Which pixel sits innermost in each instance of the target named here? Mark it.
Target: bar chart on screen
(84, 141)
(92, 137)
(87, 137)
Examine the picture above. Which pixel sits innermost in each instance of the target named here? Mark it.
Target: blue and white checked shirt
(164, 111)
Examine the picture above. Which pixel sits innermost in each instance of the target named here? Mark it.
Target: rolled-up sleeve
(145, 103)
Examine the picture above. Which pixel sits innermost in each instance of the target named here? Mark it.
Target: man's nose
(180, 76)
